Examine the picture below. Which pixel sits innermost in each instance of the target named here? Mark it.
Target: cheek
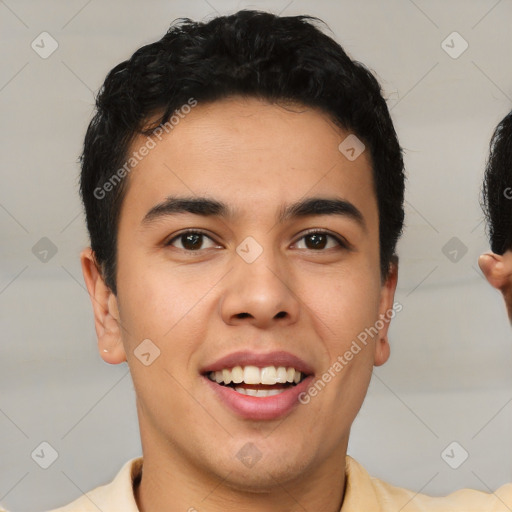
(162, 303)
(343, 305)
(148, 305)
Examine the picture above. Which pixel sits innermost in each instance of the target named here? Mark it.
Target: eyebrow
(196, 205)
(322, 206)
(207, 207)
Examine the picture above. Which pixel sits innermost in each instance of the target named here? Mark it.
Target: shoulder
(115, 496)
(385, 497)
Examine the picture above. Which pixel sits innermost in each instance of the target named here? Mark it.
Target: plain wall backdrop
(449, 377)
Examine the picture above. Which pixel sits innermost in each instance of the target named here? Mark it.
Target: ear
(106, 312)
(497, 269)
(386, 312)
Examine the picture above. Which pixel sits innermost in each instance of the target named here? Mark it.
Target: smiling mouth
(258, 382)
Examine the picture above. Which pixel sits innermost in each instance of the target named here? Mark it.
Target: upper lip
(247, 358)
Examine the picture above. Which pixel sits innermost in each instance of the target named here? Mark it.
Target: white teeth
(281, 375)
(270, 392)
(269, 375)
(262, 393)
(237, 374)
(252, 375)
(226, 376)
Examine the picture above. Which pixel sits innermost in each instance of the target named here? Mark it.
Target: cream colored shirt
(362, 494)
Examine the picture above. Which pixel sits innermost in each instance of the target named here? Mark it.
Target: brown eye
(318, 241)
(192, 241)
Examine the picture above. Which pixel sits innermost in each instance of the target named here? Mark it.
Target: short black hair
(497, 187)
(249, 54)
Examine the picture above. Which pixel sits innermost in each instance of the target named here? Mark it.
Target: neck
(172, 482)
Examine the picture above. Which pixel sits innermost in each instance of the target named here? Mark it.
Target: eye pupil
(191, 241)
(316, 241)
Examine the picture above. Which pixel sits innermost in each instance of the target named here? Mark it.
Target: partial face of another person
(247, 243)
(497, 201)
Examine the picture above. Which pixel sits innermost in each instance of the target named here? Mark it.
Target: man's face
(253, 283)
(497, 269)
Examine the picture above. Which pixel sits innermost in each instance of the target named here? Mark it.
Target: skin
(497, 269)
(197, 306)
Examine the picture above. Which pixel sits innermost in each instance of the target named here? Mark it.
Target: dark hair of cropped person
(248, 54)
(497, 187)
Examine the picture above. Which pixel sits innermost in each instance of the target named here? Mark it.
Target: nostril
(281, 314)
(243, 315)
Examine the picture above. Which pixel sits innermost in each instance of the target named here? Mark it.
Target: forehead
(253, 155)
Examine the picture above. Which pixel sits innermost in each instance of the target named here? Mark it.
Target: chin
(262, 478)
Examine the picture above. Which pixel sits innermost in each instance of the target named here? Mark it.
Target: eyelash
(342, 243)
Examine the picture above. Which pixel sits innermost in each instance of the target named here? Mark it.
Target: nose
(259, 294)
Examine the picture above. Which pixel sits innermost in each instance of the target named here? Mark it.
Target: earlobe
(386, 313)
(382, 351)
(495, 270)
(106, 311)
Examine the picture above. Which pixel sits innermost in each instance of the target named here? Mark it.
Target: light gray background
(450, 374)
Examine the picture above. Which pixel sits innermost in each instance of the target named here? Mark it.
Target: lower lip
(260, 408)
